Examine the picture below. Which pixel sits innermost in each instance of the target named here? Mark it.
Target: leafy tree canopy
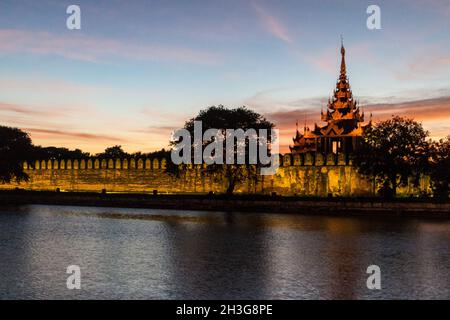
(439, 167)
(222, 118)
(113, 152)
(44, 153)
(393, 150)
(15, 147)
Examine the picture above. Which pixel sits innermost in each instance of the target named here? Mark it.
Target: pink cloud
(41, 83)
(86, 48)
(32, 111)
(272, 25)
(425, 65)
(422, 62)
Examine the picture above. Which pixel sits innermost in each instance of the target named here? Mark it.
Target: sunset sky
(137, 70)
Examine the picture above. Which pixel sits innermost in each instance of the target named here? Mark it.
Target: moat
(168, 254)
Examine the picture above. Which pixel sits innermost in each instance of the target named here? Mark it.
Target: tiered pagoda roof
(343, 116)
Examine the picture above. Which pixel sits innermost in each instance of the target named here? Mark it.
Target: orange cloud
(60, 126)
(44, 133)
(424, 110)
(434, 113)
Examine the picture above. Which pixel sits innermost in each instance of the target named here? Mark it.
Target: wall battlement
(309, 174)
(98, 164)
(286, 160)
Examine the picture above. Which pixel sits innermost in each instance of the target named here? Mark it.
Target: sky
(137, 70)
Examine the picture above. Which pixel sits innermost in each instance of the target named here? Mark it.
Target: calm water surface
(165, 254)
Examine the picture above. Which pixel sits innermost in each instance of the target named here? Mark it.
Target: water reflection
(167, 254)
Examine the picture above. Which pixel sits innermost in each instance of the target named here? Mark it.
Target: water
(165, 254)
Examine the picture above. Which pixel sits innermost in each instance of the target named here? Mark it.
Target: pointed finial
(305, 120)
(343, 74)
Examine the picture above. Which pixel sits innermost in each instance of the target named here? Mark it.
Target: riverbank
(246, 203)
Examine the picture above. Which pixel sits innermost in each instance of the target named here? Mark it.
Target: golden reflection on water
(332, 224)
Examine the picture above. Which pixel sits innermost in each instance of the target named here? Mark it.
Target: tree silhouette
(392, 151)
(439, 167)
(15, 147)
(44, 153)
(113, 152)
(219, 117)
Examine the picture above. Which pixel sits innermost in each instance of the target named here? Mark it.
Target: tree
(113, 152)
(154, 154)
(15, 147)
(439, 167)
(221, 118)
(392, 151)
(43, 153)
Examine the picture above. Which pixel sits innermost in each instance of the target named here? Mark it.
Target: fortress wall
(303, 175)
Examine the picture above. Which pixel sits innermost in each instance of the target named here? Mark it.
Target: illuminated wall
(306, 175)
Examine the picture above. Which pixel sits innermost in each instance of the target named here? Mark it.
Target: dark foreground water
(159, 254)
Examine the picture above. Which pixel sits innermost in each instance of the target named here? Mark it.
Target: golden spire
(343, 69)
(304, 128)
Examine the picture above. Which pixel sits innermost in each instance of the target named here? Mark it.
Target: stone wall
(304, 175)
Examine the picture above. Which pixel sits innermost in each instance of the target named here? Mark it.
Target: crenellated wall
(307, 175)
